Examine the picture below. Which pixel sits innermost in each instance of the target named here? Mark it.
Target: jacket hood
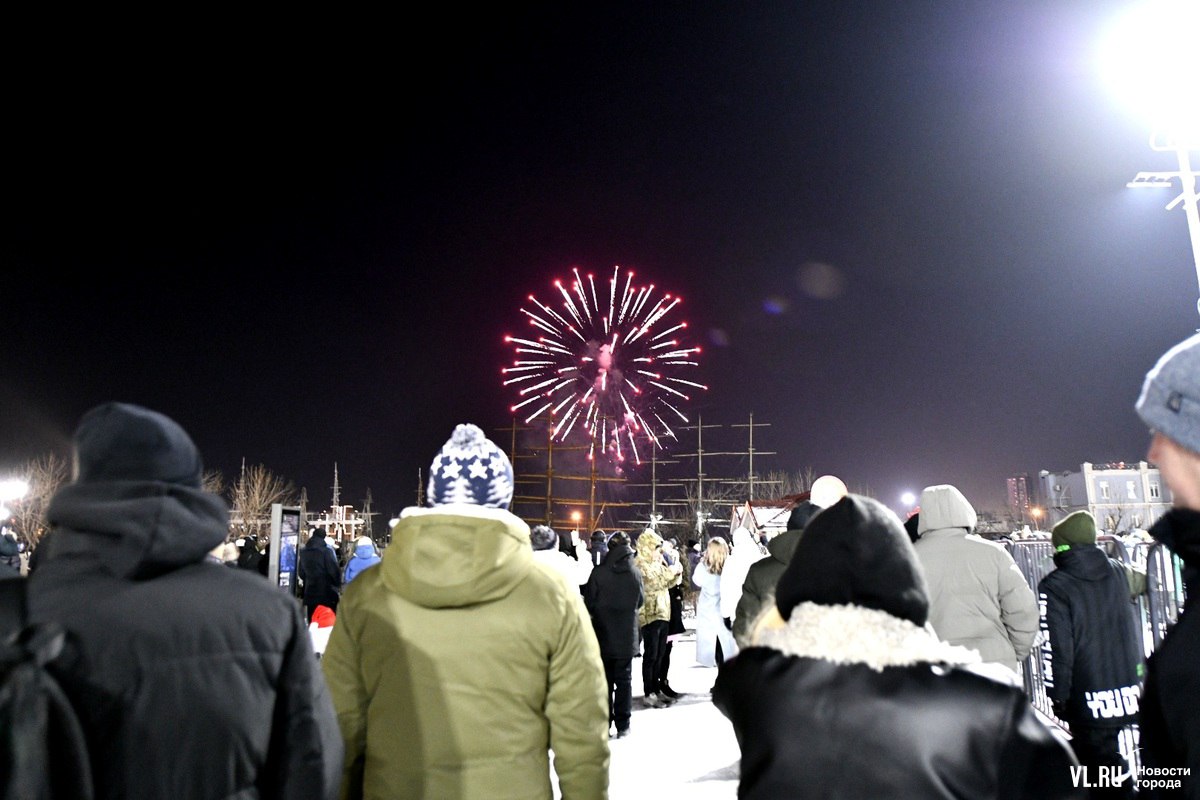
(647, 545)
(743, 538)
(944, 506)
(135, 529)
(1085, 563)
(364, 550)
(620, 558)
(850, 634)
(783, 545)
(456, 555)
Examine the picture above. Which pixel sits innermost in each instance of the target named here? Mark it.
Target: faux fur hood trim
(849, 634)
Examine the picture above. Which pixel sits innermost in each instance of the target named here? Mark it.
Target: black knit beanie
(856, 552)
(124, 442)
(801, 515)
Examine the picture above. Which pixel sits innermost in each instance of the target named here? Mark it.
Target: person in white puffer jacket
(978, 597)
(746, 550)
(546, 549)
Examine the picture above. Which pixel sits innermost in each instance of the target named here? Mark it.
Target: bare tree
(785, 483)
(697, 508)
(213, 482)
(1114, 521)
(45, 475)
(251, 498)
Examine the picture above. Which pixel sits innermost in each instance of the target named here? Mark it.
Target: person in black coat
(613, 594)
(191, 680)
(248, 555)
(758, 589)
(844, 691)
(675, 626)
(1169, 720)
(318, 568)
(598, 547)
(1094, 647)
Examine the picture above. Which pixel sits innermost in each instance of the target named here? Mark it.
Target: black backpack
(43, 752)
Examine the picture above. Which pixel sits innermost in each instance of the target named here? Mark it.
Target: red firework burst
(606, 364)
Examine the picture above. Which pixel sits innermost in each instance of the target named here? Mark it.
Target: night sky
(900, 230)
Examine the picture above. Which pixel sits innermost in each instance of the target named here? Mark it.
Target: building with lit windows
(1122, 497)
(1018, 497)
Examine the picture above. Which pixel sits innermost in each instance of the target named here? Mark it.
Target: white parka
(978, 597)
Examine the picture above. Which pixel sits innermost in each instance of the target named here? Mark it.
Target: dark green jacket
(758, 590)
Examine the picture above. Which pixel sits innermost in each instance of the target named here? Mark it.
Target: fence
(1156, 610)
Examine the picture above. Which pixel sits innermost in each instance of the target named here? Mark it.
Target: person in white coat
(546, 548)
(714, 641)
(977, 595)
(745, 552)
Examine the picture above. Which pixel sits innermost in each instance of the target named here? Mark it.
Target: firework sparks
(604, 371)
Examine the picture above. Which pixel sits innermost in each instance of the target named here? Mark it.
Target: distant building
(1120, 496)
(1018, 497)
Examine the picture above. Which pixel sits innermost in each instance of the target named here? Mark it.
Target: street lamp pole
(1187, 196)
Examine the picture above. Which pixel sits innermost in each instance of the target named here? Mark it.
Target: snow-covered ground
(688, 746)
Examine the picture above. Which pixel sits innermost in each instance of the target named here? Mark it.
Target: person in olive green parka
(459, 662)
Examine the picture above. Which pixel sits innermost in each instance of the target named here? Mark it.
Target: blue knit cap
(1170, 399)
(470, 469)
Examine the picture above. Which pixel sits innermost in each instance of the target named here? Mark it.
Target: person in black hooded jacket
(758, 590)
(322, 575)
(845, 692)
(597, 547)
(191, 680)
(1095, 648)
(613, 594)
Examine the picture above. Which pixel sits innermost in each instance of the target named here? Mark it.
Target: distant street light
(1149, 59)
(908, 499)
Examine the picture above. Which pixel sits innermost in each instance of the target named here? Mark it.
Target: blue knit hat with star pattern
(470, 469)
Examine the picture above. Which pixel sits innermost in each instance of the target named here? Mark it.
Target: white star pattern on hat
(460, 472)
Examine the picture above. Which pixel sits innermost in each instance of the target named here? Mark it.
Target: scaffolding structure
(702, 500)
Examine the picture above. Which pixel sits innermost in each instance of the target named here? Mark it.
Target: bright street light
(11, 489)
(1149, 59)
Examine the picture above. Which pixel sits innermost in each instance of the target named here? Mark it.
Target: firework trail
(606, 364)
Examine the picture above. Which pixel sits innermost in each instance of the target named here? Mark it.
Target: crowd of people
(856, 655)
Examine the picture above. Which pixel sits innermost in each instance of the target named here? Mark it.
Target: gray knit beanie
(1170, 399)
